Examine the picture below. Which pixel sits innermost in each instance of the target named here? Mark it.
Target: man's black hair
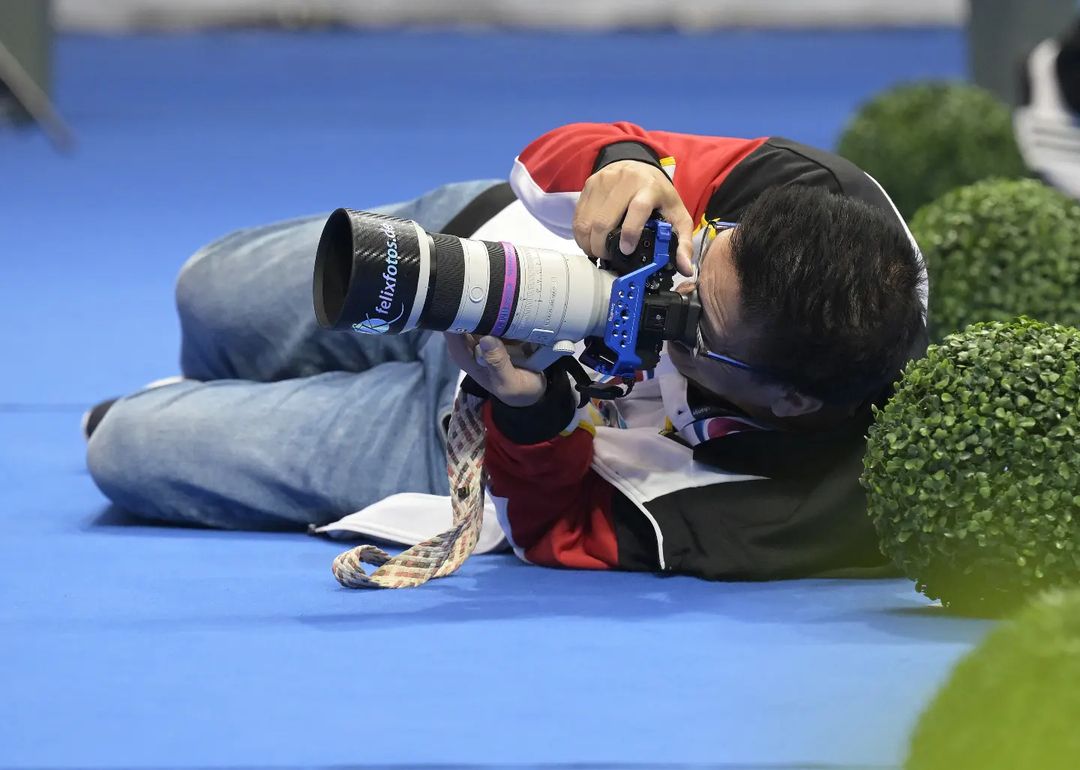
(831, 285)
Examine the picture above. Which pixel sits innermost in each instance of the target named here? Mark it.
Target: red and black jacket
(742, 503)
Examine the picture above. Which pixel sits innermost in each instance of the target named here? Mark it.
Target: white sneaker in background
(1047, 127)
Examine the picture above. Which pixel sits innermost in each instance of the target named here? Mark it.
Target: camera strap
(442, 554)
(585, 386)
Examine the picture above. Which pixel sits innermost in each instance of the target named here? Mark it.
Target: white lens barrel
(378, 274)
(560, 297)
(477, 284)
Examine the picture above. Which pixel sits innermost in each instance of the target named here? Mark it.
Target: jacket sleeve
(556, 509)
(549, 174)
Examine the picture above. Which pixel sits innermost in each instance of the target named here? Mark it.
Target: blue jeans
(282, 423)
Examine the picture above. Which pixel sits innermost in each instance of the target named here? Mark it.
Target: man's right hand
(627, 192)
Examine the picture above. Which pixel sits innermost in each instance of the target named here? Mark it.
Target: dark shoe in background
(95, 414)
(93, 417)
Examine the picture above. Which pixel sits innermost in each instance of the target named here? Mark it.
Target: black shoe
(93, 417)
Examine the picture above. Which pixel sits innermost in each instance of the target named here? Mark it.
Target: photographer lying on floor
(736, 457)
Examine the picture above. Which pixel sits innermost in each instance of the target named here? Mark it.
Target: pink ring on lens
(510, 279)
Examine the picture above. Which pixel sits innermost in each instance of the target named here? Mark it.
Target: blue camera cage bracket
(626, 305)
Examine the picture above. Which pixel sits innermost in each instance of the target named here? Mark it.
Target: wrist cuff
(541, 421)
(626, 151)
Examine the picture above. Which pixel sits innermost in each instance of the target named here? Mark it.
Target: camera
(377, 274)
(642, 311)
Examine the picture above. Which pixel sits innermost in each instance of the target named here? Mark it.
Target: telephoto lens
(378, 274)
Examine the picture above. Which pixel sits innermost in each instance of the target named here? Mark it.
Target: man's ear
(792, 403)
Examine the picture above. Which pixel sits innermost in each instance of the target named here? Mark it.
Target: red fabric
(558, 508)
(561, 160)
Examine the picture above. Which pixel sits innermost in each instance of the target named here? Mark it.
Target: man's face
(723, 331)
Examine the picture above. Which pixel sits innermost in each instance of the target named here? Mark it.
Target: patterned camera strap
(443, 554)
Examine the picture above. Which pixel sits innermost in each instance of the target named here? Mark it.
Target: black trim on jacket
(781, 161)
(626, 151)
(772, 528)
(541, 421)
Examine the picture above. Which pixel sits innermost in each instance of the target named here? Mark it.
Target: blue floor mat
(125, 645)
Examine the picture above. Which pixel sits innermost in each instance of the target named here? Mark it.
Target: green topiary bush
(920, 140)
(972, 469)
(1013, 703)
(998, 249)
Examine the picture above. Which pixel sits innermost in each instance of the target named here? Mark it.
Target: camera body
(643, 311)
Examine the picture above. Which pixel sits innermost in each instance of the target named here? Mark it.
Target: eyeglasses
(713, 228)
